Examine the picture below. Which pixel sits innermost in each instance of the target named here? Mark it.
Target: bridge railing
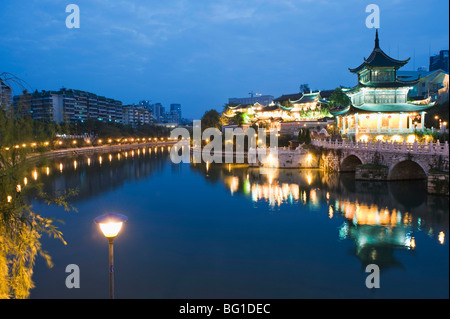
(415, 148)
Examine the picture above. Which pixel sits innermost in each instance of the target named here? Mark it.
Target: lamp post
(110, 225)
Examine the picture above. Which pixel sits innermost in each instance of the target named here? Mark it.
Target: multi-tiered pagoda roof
(379, 89)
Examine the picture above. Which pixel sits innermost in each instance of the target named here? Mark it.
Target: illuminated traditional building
(309, 107)
(380, 108)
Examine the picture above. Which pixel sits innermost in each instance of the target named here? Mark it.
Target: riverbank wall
(94, 150)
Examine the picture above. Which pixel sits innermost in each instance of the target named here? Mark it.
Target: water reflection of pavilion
(378, 217)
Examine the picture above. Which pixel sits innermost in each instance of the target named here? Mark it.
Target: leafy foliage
(338, 97)
(211, 118)
(20, 226)
(304, 136)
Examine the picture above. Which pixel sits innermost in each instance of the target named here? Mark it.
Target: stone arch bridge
(399, 161)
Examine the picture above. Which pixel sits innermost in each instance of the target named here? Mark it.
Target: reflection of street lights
(110, 225)
(440, 121)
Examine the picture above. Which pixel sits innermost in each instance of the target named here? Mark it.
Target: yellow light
(411, 138)
(379, 138)
(60, 142)
(100, 141)
(110, 224)
(364, 138)
(33, 144)
(35, 175)
(100, 159)
(48, 170)
(25, 181)
(396, 138)
(110, 230)
(19, 188)
(17, 146)
(89, 161)
(441, 237)
(46, 143)
(109, 140)
(7, 148)
(413, 243)
(60, 167)
(309, 178)
(9, 198)
(74, 142)
(75, 165)
(24, 145)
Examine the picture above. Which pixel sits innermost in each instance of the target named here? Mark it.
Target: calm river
(228, 231)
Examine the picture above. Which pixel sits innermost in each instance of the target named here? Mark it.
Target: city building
(5, 94)
(439, 61)
(175, 107)
(261, 99)
(158, 111)
(68, 105)
(136, 115)
(380, 108)
(172, 116)
(145, 103)
(432, 84)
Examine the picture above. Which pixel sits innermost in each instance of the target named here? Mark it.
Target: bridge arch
(349, 163)
(407, 170)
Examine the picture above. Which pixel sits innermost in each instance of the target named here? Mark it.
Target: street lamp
(110, 225)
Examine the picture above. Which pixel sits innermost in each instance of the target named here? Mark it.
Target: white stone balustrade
(430, 148)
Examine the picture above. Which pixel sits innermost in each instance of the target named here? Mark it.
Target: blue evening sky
(199, 53)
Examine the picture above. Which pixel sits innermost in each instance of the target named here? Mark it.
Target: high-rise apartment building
(5, 94)
(439, 61)
(68, 105)
(176, 107)
(136, 115)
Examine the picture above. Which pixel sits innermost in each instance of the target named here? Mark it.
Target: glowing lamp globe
(110, 224)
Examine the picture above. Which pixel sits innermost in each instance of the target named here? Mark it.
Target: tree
(304, 136)
(339, 99)
(304, 88)
(211, 118)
